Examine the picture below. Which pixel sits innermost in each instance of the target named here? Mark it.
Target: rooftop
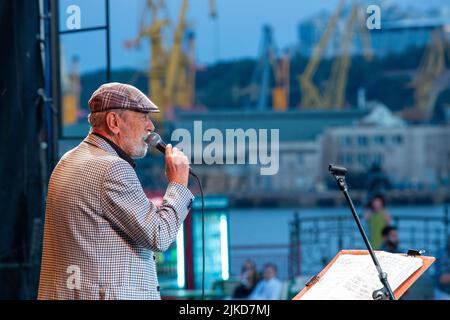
(301, 125)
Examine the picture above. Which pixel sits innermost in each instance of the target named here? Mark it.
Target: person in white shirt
(269, 288)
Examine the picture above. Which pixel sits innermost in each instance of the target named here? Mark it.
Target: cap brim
(144, 111)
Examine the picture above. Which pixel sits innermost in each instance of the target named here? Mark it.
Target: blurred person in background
(390, 240)
(378, 218)
(269, 288)
(249, 279)
(442, 290)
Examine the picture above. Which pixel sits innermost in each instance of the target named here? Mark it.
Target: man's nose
(150, 127)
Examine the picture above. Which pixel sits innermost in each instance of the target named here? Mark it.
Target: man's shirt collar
(119, 151)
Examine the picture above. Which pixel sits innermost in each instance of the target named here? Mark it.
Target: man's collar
(119, 150)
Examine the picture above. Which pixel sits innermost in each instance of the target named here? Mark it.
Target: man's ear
(112, 122)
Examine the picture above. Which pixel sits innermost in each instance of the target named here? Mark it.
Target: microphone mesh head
(153, 139)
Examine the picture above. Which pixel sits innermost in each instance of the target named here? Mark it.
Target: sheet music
(354, 277)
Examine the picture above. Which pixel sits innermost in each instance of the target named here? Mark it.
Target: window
(348, 159)
(83, 61)
(397, 139)
(378, 158)
(379, 140)
(346, 141)
(363, 159)
(362, 141)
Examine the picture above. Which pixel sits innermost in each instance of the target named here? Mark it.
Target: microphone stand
(381, 294)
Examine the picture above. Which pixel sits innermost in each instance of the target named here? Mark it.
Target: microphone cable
(203, 232)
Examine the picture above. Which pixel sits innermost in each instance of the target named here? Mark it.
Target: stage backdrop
(21, 196)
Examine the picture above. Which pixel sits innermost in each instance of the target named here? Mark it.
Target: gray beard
(140, 155)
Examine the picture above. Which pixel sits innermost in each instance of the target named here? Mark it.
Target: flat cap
(117, 95)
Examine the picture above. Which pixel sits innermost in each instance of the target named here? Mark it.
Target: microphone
(336, 170)
(157, 142)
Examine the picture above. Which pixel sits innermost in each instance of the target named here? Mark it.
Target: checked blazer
(101, 230)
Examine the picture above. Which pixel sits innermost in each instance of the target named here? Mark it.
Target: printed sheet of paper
(354, 277)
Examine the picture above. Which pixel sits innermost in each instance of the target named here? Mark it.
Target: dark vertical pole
(48, 103)
(299, 246)
(54, 61)
(108, 43)
(446, 223)
(427, 233)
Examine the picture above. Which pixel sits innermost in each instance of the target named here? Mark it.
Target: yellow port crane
(71, 87)
(333, 94)
(432, 77)
(172, 70)
(280, 93)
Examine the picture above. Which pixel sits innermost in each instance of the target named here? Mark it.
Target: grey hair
(97, 119)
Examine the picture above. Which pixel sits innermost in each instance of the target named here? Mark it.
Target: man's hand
(177, 166)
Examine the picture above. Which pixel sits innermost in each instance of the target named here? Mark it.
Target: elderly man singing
(100, 228)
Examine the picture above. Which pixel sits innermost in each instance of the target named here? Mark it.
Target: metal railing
(320, 238)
